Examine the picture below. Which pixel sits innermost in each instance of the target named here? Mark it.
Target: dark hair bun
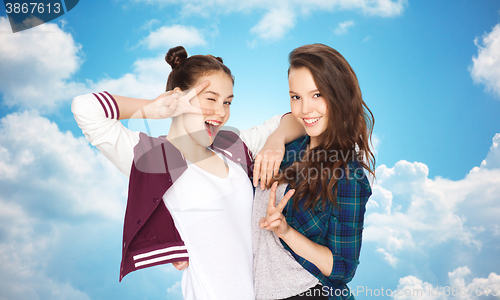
(176, 56)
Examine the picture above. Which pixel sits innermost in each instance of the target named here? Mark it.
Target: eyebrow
(212, 92)
(313, 91)
(218, 95)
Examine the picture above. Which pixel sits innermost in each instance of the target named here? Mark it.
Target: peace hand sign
(275, 220)
(177, 102)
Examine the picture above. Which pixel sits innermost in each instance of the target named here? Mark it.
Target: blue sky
(428, 70)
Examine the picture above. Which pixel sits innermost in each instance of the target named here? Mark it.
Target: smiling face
(217, 97)
(307, 104)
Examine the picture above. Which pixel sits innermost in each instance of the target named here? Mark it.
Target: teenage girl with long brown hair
(320, 218)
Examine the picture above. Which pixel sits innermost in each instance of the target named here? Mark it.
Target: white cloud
(458, 287)
(383, 8)
(170, 36)
(36, 68)
(53, 165)
(409, 212)
(411, 287)
(388, 257)
(149, 24)
(492, 161)
(275, 24)
(175, 291)
(343, 27)
(280, 16)
(58, 196)
(36, 65)
(486, 68)
(147, 80)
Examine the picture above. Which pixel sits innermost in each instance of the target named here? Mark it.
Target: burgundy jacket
(149, 234)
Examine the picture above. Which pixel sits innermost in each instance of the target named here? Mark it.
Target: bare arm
(268, 160)
(289, 129)
(318, 254)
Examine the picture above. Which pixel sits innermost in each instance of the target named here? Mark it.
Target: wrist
(151, 109)
(287, 234)
(278, 137)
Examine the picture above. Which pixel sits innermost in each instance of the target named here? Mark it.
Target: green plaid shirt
(338, 229)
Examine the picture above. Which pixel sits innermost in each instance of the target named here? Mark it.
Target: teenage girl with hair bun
(322, 188)
(189, 192)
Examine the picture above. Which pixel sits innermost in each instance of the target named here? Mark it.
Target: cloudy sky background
(428, 70)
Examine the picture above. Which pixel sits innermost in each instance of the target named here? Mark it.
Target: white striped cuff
(108, 104)
(167, 255)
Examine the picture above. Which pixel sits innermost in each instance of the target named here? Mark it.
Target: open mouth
(212, 127)
(311, 121)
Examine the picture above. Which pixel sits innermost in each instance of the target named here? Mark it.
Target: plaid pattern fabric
(340, 229)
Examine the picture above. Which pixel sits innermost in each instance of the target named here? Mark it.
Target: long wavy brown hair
(349, 130)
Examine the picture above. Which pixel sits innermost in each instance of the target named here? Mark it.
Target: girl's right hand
(267, 161)
(274, 219)
(173, 103)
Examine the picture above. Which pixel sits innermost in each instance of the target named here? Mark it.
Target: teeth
(310, 121)
(213, 123)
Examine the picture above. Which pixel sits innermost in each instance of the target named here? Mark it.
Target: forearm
(288, 130)
(317, 254)
(134, 108)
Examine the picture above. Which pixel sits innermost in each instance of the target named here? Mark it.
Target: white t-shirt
(213, 219)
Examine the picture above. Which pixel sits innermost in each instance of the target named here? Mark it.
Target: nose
(219, 110)
(306, 106)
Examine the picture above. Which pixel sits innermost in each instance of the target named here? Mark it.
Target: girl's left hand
(275, 220)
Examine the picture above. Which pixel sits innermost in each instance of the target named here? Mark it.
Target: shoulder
(358, 176)
(147, 144)
(226, 139)
(298, 144)
(353, 189)
(151, 155)
(230, 142)
(294, 151)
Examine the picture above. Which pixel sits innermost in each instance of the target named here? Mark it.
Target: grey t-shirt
(277, 274)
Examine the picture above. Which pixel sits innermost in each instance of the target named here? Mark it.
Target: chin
(314, 133)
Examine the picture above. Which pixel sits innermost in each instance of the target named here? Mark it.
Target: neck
(313, 142)
(186, 144)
